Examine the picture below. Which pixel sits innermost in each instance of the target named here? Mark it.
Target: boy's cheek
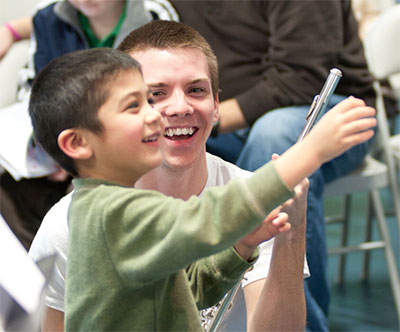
(160, 109)
(162, 124)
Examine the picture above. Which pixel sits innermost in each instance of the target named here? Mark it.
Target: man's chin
(179, 161)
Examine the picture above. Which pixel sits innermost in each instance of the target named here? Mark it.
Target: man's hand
(282, 291)
(290, 214)
(296, 207)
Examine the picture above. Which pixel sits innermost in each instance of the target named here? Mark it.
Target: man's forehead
(167, 82)
(161, 67)
(155, 53)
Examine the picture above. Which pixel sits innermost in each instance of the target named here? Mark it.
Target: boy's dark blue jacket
(56, 35)
(57, 31)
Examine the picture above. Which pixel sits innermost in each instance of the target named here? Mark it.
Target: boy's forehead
(126, 83)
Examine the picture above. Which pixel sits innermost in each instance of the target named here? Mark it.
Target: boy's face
(93, 9)
(181, 86)
(128, 146)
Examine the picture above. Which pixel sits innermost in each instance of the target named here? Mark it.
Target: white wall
(10, 9)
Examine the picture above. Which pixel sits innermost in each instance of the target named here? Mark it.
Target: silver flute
(320, 101)
(317, 108)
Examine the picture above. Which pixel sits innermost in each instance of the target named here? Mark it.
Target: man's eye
(157, 93)
(196, 90)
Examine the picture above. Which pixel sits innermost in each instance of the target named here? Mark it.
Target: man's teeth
(179, 131)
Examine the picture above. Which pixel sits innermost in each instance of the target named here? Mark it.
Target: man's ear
(74, 144)
(216, 108)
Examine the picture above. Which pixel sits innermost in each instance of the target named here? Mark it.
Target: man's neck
(178, 183)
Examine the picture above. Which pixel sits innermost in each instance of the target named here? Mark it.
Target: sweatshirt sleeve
(149, 236)
(212, 277)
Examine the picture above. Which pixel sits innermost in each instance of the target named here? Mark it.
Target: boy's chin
(157, 160)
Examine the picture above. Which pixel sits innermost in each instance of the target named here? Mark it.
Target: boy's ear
(74, 144)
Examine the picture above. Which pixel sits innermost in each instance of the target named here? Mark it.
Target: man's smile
(179, 133)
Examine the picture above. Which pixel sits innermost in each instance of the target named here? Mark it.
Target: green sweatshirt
(136, 258)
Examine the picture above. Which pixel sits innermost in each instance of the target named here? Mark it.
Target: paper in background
(18, 153)
(22, 284)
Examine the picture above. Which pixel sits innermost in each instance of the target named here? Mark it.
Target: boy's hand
(276, 222)
(348, 124)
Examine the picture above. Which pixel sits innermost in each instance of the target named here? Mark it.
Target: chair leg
(368, 238)
(393, 184)
(394, 187)
(344, 239)
(390, 257)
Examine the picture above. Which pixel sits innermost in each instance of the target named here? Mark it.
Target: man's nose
(178, 105)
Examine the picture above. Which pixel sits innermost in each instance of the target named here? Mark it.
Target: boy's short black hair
(68, 93)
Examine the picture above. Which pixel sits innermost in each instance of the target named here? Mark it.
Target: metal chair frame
(382, 49)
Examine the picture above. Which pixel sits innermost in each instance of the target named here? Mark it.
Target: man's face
(181, 87)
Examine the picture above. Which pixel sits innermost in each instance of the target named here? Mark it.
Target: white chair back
(382, 43)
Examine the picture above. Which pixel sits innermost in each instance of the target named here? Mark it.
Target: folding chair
(382, 50)
(382, 46)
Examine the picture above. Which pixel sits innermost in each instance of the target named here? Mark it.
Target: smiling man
(183, 78)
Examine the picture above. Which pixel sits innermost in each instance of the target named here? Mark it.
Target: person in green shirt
(129, 248)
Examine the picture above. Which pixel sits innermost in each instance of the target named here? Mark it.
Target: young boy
(60, 27)
(90, 112)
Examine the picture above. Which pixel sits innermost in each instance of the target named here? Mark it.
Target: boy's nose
(152, 116)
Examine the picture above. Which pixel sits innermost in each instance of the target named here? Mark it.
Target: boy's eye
(151, 101)
(133, 105)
